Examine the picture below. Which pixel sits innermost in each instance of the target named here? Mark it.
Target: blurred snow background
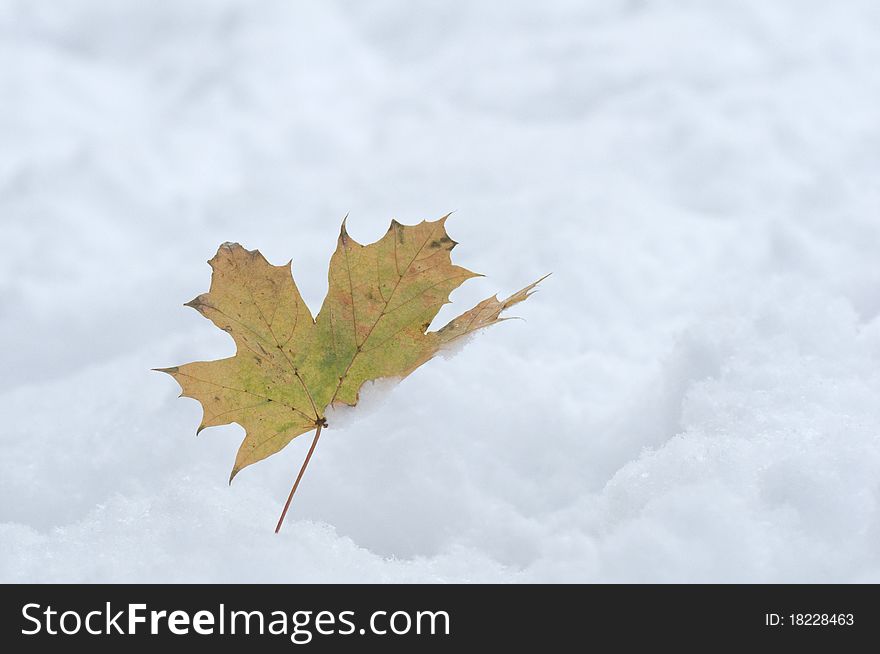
(695, 395)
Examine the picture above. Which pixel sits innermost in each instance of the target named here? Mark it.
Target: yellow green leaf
(289, 367)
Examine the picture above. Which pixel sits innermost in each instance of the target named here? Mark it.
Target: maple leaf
(289, 367)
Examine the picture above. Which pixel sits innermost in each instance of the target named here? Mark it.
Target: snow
(694, 395)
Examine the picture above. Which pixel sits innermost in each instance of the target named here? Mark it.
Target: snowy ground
(694, 396)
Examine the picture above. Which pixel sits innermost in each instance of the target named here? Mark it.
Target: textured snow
(693, 396)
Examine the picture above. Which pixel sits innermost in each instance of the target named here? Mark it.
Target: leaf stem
(298, 477)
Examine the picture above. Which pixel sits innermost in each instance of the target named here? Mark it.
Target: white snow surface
(694, 395)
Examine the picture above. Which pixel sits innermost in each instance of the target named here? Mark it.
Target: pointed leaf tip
(442, 220)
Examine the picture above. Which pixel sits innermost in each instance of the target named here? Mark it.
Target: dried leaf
(288, 367)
